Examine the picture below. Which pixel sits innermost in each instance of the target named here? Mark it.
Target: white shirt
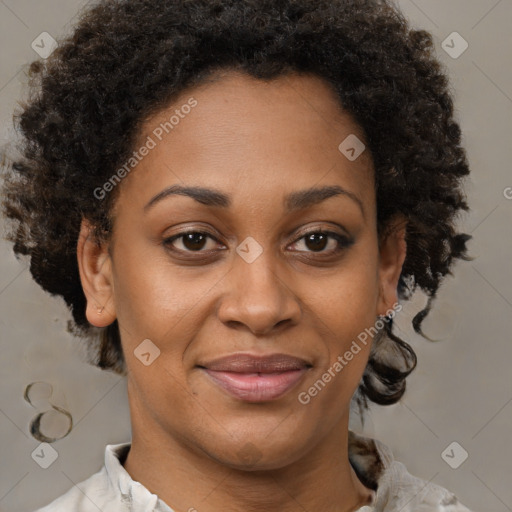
(112, 489)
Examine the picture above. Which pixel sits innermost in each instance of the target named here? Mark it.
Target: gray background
(461, 390)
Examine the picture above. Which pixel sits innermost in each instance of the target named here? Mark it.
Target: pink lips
(256, 378)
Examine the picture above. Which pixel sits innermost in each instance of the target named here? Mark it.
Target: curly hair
(126, 60)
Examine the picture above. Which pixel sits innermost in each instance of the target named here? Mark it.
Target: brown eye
(317, 241)
(191, 241)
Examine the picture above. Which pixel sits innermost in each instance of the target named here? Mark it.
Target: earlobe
(94, 265)
(393, 250)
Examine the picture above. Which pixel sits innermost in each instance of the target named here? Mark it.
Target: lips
(254, 378)
(248, 363)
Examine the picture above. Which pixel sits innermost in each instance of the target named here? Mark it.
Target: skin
(192, 444)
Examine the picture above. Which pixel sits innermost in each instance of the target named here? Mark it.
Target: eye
(317, 241)
(191, 241)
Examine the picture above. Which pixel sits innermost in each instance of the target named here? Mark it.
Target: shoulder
(87, 496)
(398, 490)
(101, 491)
(111, 489)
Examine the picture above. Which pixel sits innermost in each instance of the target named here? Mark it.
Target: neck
(190, 480)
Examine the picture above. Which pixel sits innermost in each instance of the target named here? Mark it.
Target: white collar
(368, 457)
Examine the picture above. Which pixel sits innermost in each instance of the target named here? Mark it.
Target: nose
(258, 297)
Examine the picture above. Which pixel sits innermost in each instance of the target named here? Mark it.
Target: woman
(232, 197)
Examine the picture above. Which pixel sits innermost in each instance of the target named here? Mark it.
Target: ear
(95, 267)
(393, 250)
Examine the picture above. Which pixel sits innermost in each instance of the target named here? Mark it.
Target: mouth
(254, 378)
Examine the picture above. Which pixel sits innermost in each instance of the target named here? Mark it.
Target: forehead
(254, 139)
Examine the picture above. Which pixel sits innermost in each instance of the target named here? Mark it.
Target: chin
(257, 454)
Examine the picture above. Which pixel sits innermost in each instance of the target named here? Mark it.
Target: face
(273, 250)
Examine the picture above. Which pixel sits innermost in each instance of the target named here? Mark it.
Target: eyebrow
(298, 200)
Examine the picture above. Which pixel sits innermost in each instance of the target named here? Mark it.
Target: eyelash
(343, 241)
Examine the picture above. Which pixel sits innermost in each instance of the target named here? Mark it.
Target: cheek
(346, 313)
(346, 318)
(348, 298)
(164, 304)
(150, 296)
